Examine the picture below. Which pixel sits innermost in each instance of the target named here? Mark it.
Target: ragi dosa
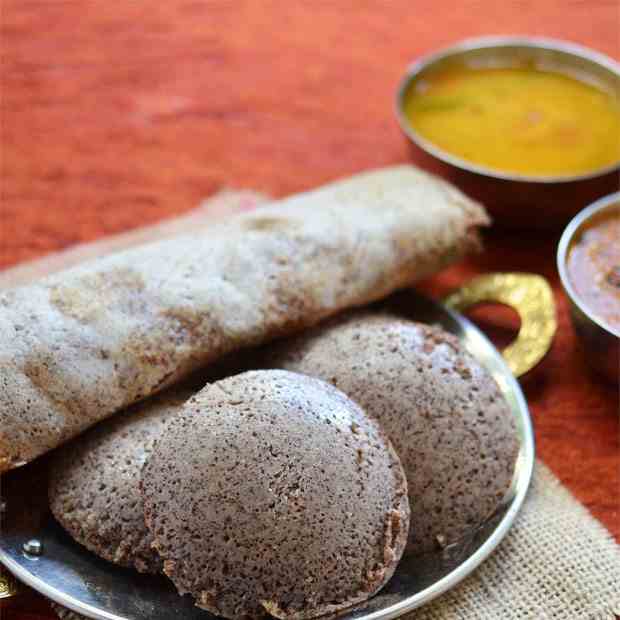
(84, 343)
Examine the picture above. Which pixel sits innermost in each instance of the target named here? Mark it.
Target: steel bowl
(517, 199)
(599, 341)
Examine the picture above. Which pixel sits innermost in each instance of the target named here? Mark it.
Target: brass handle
(531, 296)
(8, 585)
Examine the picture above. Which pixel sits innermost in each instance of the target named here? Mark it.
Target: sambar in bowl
(529, 126)
(589, 267)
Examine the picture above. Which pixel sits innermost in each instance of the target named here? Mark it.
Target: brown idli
(272, 492)
(444, 413)
(94, 483)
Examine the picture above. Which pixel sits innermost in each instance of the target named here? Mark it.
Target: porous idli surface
(273, 493)
(94, 483)
(442, 410)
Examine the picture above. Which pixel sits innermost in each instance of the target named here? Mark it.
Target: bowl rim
(608, 202)
(495, 42)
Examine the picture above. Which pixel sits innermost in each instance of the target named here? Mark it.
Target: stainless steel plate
(75, 578)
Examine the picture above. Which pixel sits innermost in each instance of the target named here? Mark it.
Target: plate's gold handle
(531, 296)
(8, 585)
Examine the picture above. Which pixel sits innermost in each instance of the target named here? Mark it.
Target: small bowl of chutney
(589, 266)
(529, 126)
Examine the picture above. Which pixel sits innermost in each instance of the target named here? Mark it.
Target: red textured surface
(117, 114)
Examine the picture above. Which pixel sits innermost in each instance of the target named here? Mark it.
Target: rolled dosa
(81, 344)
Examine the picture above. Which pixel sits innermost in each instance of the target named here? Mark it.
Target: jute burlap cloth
(556, 563)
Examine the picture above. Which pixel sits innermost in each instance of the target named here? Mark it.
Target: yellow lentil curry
(518, 120)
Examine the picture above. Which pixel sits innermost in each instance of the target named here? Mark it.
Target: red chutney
(594, 267)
